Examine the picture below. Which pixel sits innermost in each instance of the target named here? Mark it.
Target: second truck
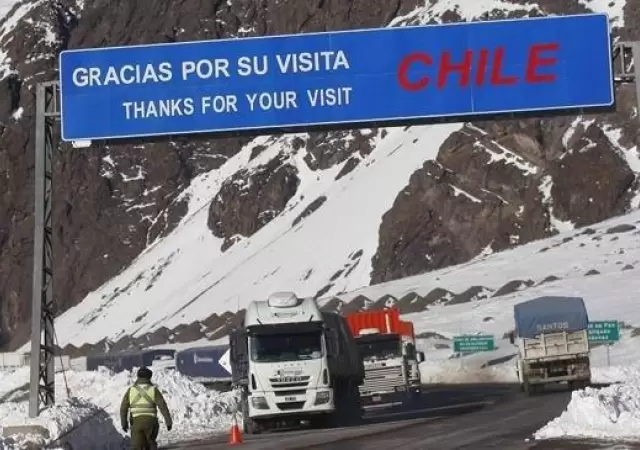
(391, 362)
(553, 343)
(293, 363)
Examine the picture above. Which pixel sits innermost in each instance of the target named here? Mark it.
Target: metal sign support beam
(42, 383)
(625, 71)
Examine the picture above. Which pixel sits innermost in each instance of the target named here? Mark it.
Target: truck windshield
(286, 347)
(379, 348)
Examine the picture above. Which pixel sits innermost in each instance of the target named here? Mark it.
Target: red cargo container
(387, 321)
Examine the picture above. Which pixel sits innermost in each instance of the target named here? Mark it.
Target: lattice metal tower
(42, 385)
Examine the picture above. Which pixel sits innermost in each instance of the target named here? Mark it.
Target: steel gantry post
(625, 71)
(42, 385)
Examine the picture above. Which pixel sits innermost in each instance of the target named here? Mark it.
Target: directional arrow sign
(225, 362)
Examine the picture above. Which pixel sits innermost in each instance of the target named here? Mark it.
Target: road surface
(479, 417)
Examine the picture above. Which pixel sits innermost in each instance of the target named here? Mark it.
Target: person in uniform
(143, 400)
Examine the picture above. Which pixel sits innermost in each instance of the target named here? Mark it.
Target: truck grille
(286, 392)
(290, 406)
(287, 383)
(382, 379)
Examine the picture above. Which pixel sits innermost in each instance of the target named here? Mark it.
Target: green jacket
(159, 399)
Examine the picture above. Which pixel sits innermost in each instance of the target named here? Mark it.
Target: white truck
(293, 363)
(391, 363)
(553, 343)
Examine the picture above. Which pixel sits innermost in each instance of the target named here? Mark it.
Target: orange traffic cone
(235, 438)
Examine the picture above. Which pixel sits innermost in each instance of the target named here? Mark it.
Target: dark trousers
(144, 432)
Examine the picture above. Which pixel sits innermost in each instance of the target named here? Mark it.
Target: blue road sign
(348, 77)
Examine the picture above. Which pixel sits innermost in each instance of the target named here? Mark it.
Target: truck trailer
(553, 343)
(388, 349)
(293, 363)
(205, 365)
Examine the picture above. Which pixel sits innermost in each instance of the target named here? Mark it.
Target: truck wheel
(251, 426)
(526, 387)
(529, 389)
(355, 405)
(340, 416)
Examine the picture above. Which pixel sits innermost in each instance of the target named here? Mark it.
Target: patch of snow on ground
(196, 411)
(611, 413)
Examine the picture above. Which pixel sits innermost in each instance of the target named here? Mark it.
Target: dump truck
(553, 344)
(388, 348)
(294, 365)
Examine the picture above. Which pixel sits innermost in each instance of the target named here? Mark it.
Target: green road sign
(473, 344)
(604, 332)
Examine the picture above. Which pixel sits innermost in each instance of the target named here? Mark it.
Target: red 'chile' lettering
(447, 67)
(535, 60)
(497, 78)
(405, 65)
(481, 67)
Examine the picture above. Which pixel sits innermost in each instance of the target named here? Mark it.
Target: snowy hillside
(184, 277)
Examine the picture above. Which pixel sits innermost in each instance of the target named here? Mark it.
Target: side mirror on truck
(420, 357)
(512, 337)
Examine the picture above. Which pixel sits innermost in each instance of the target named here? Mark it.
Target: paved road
(491, 417)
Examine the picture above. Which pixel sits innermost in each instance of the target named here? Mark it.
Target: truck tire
(416, 396)
(249, 425)
(579, 384)
(356, 410)
(530, 389)
(343, 401)
(252, 426)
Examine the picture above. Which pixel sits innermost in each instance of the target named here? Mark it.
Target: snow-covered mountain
(170, 240)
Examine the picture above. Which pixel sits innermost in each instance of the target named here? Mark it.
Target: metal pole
(608, 359)
(42, 385)
(626, 53)
(635, 51)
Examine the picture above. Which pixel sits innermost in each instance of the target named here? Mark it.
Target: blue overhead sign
(347, 77)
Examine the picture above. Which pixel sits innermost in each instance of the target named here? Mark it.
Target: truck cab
(391, 362)
(285, 360)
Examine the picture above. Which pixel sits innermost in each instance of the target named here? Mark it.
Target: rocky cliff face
(493, 184)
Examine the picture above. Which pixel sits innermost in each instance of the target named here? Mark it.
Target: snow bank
(96, 396)
(612, 412)
(441, 366)
(455, 372)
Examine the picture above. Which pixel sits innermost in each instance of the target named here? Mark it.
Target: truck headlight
(259, 403)
(323, 397)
